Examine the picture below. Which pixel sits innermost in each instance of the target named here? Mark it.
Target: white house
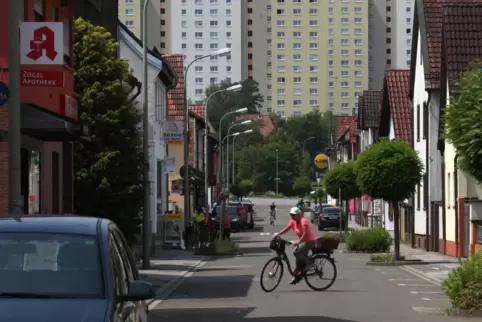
(425, 96)
(160, 79)
(395, 116)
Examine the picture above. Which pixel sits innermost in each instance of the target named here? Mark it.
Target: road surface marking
(265, 234)
(436, 268)
(429, 310)
(416, 285)
(425, 292)
(403, 279)
(224, 267)
(389, 273)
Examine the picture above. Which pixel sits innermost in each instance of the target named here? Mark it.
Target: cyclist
(300, 204)
(306, 242)
(272, 210)
(199, 225)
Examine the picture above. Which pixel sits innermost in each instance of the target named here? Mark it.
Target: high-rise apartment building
(195, 28)
(319, 55)
(390, 37)
(130, 14)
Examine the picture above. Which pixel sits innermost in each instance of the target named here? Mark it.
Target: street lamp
(303, 148)
(219, 180)
(217, 53)
(233, 88)
(227, 150)
(245, 132)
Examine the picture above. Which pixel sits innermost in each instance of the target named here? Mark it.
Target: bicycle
(322, 251)
(272, 217)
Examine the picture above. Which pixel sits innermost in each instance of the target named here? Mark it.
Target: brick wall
(3, 166)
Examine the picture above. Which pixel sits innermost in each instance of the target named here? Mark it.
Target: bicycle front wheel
(324, 271)
(271, 274)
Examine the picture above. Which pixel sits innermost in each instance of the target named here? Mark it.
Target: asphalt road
(228, 289)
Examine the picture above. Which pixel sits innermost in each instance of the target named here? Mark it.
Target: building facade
(99, 12)
(202, 27)
(48, 111)
(320, 55)
(130, 14)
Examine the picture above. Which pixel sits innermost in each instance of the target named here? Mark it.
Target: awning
(44, 125)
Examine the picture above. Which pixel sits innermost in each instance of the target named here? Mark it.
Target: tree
(236, 190)
(462, 122)
(342, 179)
(389, 170)
(108, 171)
(246, 186)
(302, 186)
(225, 102)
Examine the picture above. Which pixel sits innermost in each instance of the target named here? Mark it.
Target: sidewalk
(168, 269)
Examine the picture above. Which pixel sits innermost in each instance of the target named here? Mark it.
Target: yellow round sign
(321, 161)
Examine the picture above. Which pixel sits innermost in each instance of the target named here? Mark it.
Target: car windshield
(331, 211)
(46, 264)
(230, 210)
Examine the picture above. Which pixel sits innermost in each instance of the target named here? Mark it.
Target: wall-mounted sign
(4, 93)
(68, 107)
(41, 43)
(42, 78)
(173, 132)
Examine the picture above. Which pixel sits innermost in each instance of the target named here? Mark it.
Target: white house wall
(386, 216)
(419, 96)
(435, 157)
(156, 102)
(450, 196)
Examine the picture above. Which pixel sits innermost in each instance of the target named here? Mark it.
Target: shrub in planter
(375, 240)
(464, 285)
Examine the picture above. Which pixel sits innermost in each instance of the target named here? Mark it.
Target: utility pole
(277, 177)
(146, 218)
(14, 111)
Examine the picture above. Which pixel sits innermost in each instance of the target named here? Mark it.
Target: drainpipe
(427, 187)
(456, 193)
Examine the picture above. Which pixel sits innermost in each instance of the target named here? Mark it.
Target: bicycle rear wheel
(274, 272)
(319, 272)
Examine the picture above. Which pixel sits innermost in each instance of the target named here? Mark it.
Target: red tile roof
(397, 86)
(342, 123)
(198, 109)
(433, 15)
(175, 108)
(352, 129)
(462, 41)
(266, 125)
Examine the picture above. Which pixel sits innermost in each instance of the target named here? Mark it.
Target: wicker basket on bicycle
(327, 244)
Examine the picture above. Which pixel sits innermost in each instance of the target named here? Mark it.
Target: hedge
(375, 240)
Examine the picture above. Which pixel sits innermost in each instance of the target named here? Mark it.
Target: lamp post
(245, 132)
(277, 177)
(303, 147)
(146, 217)
(217, 53)
(227, 150)
(219, 179)
(236, 87)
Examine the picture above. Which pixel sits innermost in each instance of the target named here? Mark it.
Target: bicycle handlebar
(284, 240)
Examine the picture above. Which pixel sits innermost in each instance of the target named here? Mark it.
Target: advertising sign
(43, 78)
(320, 162)
(41, 43)
(4, 93)
(173, 132)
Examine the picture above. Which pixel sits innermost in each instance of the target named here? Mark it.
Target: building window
(129, 12)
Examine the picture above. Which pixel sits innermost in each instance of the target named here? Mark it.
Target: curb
(415, 272)
(465, 313)
(213, 254)
(164, 292)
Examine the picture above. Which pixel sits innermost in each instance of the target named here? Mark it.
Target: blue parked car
(68, 269)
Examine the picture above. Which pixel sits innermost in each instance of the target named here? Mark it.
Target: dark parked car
(315, 213)
(68, 269)
(237, 214)
(330, 218)
(249, 207)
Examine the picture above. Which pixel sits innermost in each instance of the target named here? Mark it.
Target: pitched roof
(342, 123)
(352, 128)
(462, 26)
(396, 86)
(175, 106)
(199, 109)
(370, 109)
(361, 114)
(433, 17)
(266, 126)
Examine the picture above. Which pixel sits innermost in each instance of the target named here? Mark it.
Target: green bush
(375, 240)
(226, 246)
(336, 235)
(464, 285)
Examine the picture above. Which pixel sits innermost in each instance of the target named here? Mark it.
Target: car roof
(52, 224)
(332, 207)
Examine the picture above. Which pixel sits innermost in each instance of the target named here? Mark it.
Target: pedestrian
(227, 226)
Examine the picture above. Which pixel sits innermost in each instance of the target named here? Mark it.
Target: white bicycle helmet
(295, 211)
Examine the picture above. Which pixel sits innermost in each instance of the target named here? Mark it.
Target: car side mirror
(140, 291)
